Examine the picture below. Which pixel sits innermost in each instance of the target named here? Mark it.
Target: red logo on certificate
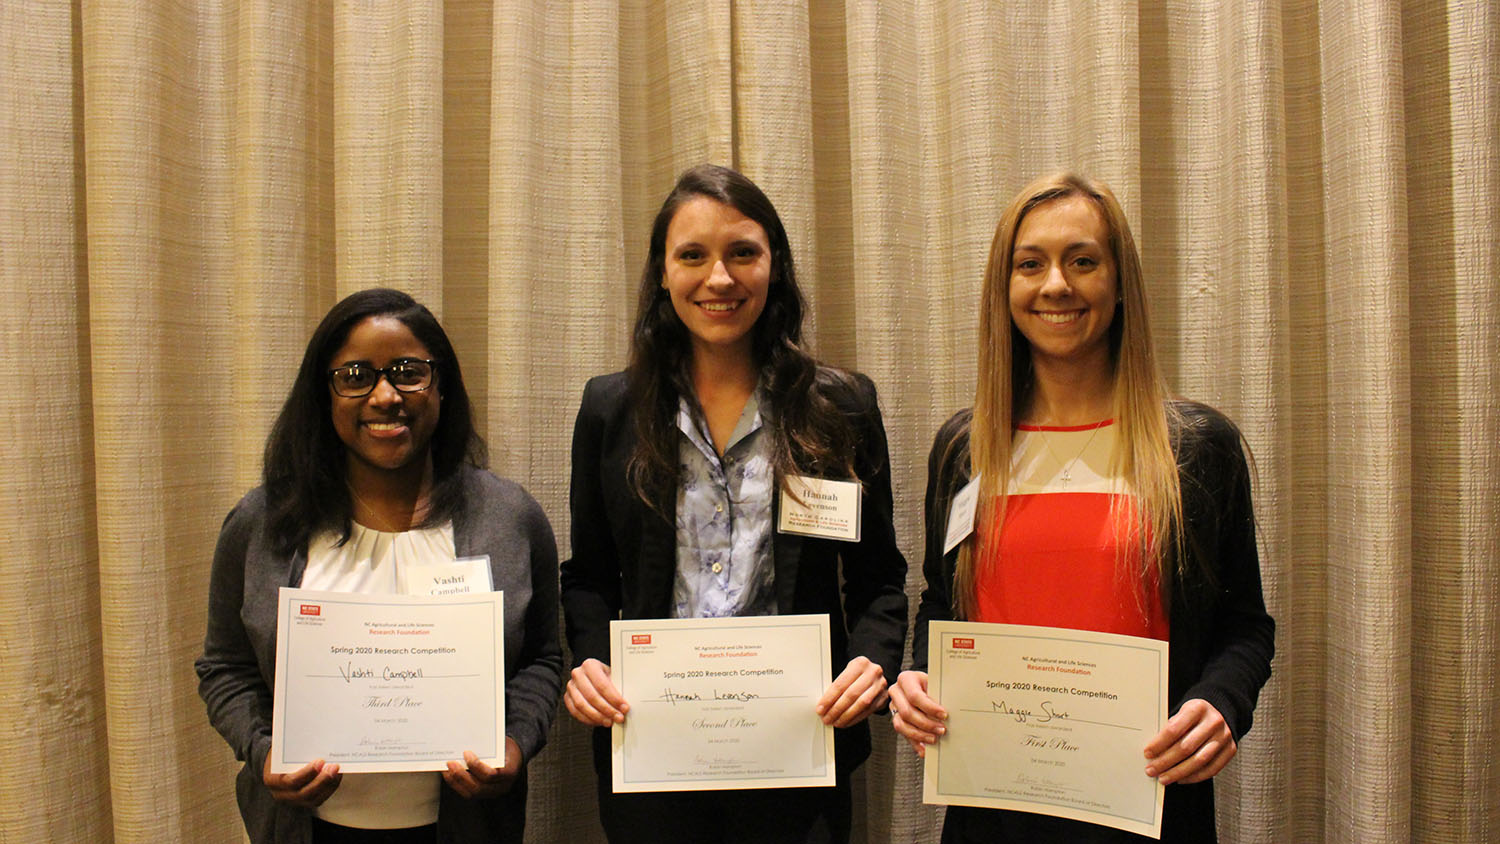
(640, 638)
(309, 609)
(963, 643)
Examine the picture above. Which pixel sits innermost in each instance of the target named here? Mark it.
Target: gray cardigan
(236, 670)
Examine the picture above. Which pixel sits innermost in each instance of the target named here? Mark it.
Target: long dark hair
(304, 471)
(809, 433)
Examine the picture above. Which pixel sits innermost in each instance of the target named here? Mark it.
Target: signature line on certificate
(1104, 724)
(1069, 719)
(672, 697)
(392, 679)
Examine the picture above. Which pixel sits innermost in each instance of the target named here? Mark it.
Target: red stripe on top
(1056, 565)
(1086, 427)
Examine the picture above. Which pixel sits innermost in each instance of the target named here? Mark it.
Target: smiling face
(387, 429)
(1063, 283)
(717, 272)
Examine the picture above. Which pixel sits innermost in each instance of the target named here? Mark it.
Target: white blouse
(372, 562)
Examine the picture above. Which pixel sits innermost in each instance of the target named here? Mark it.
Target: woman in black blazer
(677, 465)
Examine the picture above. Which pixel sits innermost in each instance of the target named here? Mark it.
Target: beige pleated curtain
(185, 187)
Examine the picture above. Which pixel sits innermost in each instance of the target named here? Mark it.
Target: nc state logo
(309, 609)
(640, 638)
(963, 643)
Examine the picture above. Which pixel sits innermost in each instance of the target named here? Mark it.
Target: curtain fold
(186, 188)
(1368, 783)
(52, 694)
(158, 88)
(388, 146)
(1452, 107)
(281, 163)
(1303, 631)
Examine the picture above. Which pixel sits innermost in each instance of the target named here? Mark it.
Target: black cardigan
(1221, 639)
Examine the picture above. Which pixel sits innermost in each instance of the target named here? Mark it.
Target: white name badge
(468, 576)
(961, 515)
(822, 508)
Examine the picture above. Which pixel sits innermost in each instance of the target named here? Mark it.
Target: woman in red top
(1104, 505)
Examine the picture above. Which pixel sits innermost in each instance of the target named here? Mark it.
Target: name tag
(821, 508)
(961, 515)
(461, 577)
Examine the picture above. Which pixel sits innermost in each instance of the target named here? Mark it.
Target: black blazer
(625, 553)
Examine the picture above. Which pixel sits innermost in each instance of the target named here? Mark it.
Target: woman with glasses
(1105, 505)
(678, 463)
(373, 467)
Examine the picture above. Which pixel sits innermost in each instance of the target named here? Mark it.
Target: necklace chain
(376, 517)
(1067, 468)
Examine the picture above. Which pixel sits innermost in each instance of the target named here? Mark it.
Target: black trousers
(331, 833)
(745, 816)
(1187, 818)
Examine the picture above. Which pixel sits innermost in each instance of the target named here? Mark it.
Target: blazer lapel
(786, 551)
(656, 567)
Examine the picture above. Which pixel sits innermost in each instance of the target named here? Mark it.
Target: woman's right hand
(914, 714)
(592, 697)
(308, 786)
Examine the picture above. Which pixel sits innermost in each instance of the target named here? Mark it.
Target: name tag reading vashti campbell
(466, 576)
(820, 507)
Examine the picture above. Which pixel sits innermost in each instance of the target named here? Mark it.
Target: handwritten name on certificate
(1047, 720)
(720, 703)
(381, 683)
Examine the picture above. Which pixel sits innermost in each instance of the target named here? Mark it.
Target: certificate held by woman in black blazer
(678, 465)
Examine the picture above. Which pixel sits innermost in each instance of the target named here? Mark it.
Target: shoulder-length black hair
(810, 434)
(304, 471)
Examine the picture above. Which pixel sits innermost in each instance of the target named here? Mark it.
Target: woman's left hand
(474, 779)
(854, 694)
(1193, 746)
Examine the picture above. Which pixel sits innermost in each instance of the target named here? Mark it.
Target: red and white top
(1065, 556)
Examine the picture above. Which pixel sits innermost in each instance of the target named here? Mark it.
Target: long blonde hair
(1143, 457)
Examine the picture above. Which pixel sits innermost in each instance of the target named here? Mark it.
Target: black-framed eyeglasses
(358, 379)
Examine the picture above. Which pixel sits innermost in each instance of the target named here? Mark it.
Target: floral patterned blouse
(724, 565)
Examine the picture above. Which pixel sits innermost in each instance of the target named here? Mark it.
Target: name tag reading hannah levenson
(381, 683)
(820, 508)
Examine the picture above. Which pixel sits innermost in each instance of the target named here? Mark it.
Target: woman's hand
(474, 779)
(1193, 746)
(854, 694)
(308, 786)
(592, 697)
(914, 714)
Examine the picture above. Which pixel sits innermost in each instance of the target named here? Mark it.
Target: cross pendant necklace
(1067, 468)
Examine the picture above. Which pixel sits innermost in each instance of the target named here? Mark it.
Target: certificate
(1047, 720)
(721, 703)
(387, 682)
